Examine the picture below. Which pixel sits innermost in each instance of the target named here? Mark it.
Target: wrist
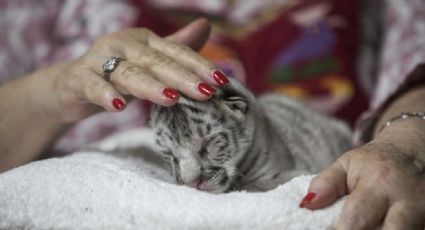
(44, 94)
(408, 134)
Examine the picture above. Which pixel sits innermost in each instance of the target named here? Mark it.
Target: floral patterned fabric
(288, 59)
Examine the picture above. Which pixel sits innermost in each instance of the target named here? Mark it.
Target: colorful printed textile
(305, 49)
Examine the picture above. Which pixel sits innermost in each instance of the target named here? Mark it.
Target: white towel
(124, 190)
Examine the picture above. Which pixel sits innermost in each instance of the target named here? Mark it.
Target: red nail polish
(171, 93)
(307, 199)
(118, 104)
(206, 89)
(220, 78)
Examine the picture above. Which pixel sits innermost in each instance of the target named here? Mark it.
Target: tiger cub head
(203, 142)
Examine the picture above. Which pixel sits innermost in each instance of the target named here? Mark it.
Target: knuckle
(125, 31)
(127, 34)
(209, 64)
(382, 179)
(382, 171)
(145, 31)
(182, 49)
(81, 66)
(353, 215)
(130, 72)
(401, 212)
(92, 88)
(144, 94)
(161, 61)
(102, 42)
(414, 165)
(358, 152)
(147, 83)
(185, 77)
(191, 55)
(93, 85)
(403, 216)
(323, 179)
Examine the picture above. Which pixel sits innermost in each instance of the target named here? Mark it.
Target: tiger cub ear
(235, 103)
(237, 107)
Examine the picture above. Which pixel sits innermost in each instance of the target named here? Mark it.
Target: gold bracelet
(404, 116)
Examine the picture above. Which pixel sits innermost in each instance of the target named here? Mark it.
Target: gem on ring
(110, 65)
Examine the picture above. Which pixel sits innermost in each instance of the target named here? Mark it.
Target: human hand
(384, 180)
(153, 68)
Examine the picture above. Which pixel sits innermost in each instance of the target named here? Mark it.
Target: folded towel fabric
(130, 190)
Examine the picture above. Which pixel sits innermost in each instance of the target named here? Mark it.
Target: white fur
(190, 169)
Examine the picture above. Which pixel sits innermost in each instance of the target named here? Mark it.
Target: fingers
(152, 71)
(94, 89)
(167, 71)
(364, 209)
(131, 79)
(153, 64)
(186, 57)
(326, 188)
(404, 215)
(193, 35)
(179, 47)
(175, 46)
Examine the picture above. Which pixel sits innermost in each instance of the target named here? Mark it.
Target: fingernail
(220, 78)
(307, 199)
(205, 89)
(118, 104)
(171, 93)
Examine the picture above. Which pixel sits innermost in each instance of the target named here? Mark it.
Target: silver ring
(110, 65)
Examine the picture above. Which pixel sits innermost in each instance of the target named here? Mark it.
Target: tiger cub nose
(195, 183)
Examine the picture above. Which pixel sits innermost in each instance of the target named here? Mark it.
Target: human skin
(384, 179)
(38, 107)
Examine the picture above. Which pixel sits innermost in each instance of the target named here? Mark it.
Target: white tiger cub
(234, 141)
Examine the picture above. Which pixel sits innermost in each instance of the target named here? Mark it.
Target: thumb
(193, 35)
(326, 188)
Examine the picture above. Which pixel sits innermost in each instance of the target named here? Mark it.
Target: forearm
(26, 129)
